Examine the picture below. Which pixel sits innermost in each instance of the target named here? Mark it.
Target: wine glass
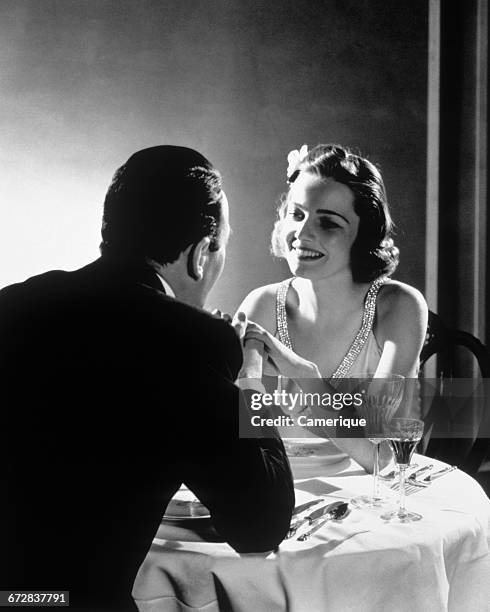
(381, 398)
(404, 435)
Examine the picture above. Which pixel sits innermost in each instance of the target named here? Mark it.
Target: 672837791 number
(34, 598)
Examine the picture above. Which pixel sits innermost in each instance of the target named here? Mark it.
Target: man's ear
(197, 258)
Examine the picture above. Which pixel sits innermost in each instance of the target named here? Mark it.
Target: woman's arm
(400, 329)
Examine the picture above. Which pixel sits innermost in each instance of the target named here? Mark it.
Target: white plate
(313, 451)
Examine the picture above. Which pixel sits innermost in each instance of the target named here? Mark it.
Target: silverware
(311, 518)
(440, 473)
(336, 514)
(426, 482)
(307, 505)
(411, 486)
(415, 487)
(388, 476)
(394, 473)
(426, 468)
(412, 479)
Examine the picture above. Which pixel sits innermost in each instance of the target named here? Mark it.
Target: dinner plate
(185, 507)
(314, 451)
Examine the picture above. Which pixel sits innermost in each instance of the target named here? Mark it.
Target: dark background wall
(85, 83)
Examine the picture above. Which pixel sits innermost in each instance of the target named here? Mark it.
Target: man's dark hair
(161, 201)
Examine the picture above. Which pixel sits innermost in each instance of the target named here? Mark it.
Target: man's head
(165, 205)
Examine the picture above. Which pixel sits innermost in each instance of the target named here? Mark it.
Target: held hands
(280, 359)
(253, 352)
(239, 321)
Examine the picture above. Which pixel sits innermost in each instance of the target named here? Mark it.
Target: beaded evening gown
(363, 356)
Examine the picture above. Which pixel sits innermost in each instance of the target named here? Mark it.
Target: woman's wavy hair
(373, 253)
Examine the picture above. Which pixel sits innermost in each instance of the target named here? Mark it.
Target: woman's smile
(305, 252)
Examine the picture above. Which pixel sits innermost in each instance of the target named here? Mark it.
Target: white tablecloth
(441, 563)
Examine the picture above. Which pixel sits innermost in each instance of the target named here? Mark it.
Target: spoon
(338, 513)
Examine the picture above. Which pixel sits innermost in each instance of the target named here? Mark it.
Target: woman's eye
(295, 214)
(328, 224)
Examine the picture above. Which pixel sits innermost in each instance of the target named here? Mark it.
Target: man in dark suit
(117, 388)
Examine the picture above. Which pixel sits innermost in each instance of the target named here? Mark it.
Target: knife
(412, 479)
(440, 473)
(336, 514)
(313, 516)
(421, 470)
(394, 473)
(306, 506)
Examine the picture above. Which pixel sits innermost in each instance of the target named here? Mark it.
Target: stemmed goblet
(404, 434)
(381, 398)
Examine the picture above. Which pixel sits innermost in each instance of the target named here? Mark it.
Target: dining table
(440, 563)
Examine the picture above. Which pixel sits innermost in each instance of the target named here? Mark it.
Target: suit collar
(129, 272)
(166, 287)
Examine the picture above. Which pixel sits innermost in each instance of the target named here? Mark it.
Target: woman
(340, 315)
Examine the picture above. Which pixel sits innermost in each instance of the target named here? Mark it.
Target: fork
(412, 487)
(412, 479)
(417, 485)
(394, 473)
(415, 488)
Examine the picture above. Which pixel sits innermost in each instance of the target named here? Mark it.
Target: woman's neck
(328, 298)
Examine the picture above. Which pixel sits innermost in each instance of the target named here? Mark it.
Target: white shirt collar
(167, 288)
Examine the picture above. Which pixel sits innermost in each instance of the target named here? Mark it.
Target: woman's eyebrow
(324, 211)
(321, 211)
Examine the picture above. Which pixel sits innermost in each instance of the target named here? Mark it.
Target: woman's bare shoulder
(403, 304)
(260, 306)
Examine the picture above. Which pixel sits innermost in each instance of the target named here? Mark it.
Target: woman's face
(319, 227)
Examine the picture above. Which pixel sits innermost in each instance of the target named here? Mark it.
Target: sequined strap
(281, 316)
(361, 336)
(363, 333)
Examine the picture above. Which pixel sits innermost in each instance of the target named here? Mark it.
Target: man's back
(115, 395)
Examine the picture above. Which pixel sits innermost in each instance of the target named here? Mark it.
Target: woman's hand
(283, 360)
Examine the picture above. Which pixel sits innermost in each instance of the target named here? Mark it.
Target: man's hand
(239, 321)
(285, 361)
(221, 315)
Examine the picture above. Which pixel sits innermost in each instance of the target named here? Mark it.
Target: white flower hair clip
(294, 159)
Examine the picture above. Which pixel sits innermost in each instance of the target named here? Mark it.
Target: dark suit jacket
(113, 396)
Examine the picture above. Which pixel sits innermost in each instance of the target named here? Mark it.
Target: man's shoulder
(90, 307)
(186, 338)
(197, 323)
(32, 288)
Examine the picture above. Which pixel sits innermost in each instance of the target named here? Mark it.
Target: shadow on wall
(243, 81)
